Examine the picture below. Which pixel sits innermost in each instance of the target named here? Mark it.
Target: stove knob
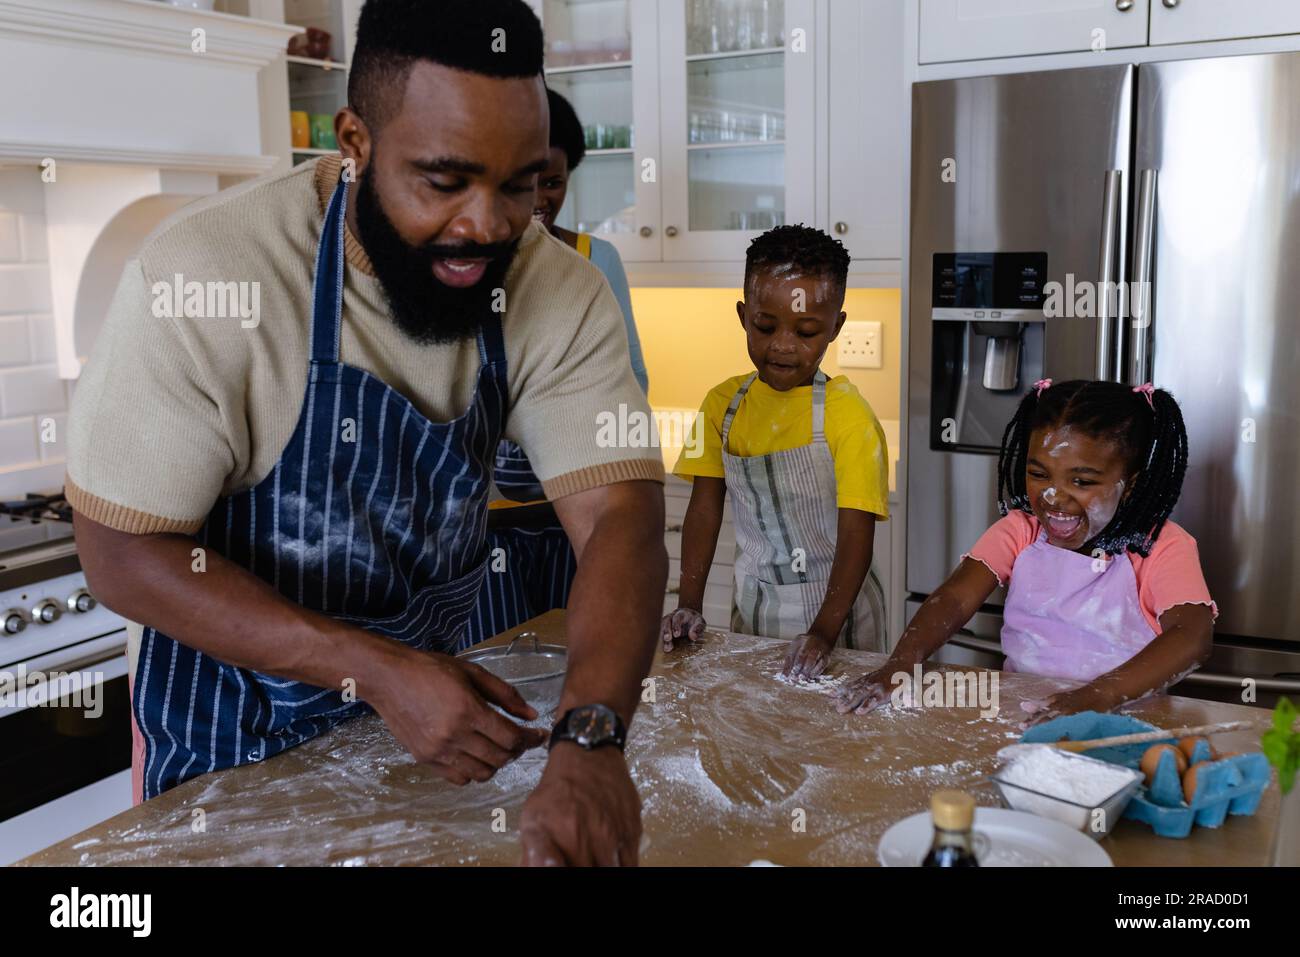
(81, 601)
(46, 611)
(14, 621)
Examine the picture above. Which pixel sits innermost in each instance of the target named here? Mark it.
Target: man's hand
(585, 812)
(438, 709)
(808, 657)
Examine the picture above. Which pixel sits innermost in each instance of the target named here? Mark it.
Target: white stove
(65, 734)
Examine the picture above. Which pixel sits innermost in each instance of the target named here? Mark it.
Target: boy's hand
(683, 623)
(866, 692)
(808, 657)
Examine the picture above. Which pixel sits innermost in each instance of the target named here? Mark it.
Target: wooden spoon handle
(1157, 735)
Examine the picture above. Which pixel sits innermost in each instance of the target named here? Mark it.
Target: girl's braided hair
(1151, 437)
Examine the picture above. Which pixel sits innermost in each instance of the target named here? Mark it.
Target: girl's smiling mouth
(1062, 526)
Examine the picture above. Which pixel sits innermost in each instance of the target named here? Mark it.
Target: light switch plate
(858, 346)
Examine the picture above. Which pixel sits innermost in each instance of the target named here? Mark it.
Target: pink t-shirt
(1170, 575)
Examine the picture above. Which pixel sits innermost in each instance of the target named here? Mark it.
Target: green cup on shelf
(322, 132)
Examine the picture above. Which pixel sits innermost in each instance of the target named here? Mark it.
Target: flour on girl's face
(1102, 509)
(1058, 440)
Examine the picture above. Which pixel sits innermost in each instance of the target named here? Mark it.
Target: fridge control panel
(984, 285)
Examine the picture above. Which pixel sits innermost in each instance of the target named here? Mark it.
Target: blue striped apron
(373, 515)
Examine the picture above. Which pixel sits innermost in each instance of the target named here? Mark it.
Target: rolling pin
(1140, 737)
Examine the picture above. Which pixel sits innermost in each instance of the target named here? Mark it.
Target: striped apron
(531, 570)
(373, 515)
(786, 520)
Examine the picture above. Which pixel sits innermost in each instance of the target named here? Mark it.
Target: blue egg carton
(1231, 785)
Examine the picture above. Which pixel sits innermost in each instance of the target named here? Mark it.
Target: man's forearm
(223, 610)
(615, 604)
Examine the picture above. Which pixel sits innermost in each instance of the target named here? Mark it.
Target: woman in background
(534, 569)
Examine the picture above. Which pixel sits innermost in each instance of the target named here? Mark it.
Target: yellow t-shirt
(771, 421)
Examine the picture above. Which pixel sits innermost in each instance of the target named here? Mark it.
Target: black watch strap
(590, 726)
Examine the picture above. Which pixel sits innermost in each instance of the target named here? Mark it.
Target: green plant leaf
(1281, 745)
(1284, 715)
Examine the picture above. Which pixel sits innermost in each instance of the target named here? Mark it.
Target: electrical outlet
(858, 346)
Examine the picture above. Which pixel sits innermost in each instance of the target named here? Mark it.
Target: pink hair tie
(1146, 390)
(1042, 384)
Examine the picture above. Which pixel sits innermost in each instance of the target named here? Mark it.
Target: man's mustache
(467, 250)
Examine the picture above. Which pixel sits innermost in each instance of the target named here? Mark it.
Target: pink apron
(1067, 618)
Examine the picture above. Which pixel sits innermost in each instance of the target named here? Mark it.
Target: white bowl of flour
(1083, 792)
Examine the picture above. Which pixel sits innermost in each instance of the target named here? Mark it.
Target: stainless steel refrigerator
(1185, 175)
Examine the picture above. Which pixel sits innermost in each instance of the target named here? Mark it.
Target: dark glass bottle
(953, 813)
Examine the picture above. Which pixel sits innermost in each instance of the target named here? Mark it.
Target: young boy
(803, 458)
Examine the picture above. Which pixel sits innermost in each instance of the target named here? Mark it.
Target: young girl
(802, 457)
(1101, 586)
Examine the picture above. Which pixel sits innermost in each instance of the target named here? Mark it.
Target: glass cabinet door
(737, 116)
(600, 55)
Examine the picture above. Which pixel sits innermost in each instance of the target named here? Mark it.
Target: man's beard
(425, 309)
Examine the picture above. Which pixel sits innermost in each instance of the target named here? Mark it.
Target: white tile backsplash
(10, 244)
(24, 287)
(15, 341)
(18, 445)
(32, 231)
(41, 334)
(31, 393)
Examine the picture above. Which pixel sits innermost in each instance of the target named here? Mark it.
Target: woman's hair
(1150, 436)
(566, 129)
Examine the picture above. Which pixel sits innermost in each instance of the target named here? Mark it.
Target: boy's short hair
(803, 250)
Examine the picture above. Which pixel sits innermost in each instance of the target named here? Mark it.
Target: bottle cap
(952, 810)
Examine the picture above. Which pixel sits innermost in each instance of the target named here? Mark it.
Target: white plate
(1016, 839)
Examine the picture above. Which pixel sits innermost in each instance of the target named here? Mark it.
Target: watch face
(592, 723)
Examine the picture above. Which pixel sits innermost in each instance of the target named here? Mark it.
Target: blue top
(606, 259)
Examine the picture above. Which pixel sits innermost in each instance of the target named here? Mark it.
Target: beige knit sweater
(172, 412)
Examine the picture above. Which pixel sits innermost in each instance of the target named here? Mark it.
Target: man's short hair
(500, 38)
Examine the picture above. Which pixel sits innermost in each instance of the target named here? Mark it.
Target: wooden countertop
(728, 758)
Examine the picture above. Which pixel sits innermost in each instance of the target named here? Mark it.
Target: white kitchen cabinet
(603, 57)
(865, 139)
(982, 29)
(703, 122)
(1191, 21)
(737, 122)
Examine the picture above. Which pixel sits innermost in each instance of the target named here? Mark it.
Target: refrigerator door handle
(1214, 679)
(1107, 340)
(1140, 297)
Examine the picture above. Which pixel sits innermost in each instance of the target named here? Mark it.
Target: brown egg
(1189, 782)
(1188, 746)
(1151, 760)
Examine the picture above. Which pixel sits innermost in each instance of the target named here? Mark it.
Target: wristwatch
(589, 726)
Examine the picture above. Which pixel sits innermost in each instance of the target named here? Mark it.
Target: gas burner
(51, 507)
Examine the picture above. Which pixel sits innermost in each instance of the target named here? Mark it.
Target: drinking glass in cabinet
(603, 101)
(602, 196)
(728, 26)
(736, 99)
(736, 188)
(586, 32)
